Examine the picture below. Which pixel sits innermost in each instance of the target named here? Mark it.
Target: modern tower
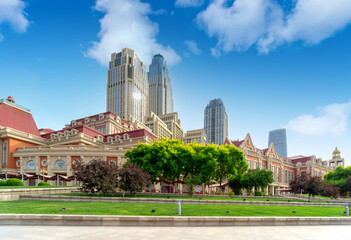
(216, 122)
(278, 138)
(160, 88)
(127, 86)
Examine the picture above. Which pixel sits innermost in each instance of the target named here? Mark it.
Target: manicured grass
(144, 209)
(17, 187)
(187, 197)
(318, 196)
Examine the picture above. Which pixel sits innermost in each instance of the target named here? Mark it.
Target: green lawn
(17, 187)
(144, 209)
(187, 197)
(318, 196)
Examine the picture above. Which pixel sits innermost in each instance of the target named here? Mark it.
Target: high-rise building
(216, 122)
(278, 138)
(157, 126)
(127, 86)
(173, 124)
(160, 88)
(197, 136)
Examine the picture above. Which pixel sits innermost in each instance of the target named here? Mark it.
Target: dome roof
(10, 99)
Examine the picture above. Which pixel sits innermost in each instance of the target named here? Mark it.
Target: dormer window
(249, 148)
(126, 136)
(87, 120)
(101, 117)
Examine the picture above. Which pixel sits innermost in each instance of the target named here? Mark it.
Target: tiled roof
(82, 128)
(301, 159)
(46, 130)
(237, 143)
(14, 117)
(134, 134)
(96, 117)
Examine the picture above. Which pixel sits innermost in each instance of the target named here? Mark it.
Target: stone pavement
(175, 233)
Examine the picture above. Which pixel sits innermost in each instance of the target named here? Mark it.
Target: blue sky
(274, 63)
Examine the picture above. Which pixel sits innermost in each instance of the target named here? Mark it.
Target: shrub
(231, 194)
(257, 193)
(14, 182)
(3, 183)
(97, 176)
(133, 178)
(44, 184)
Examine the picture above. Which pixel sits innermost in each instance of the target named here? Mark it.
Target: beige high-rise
(127, 86)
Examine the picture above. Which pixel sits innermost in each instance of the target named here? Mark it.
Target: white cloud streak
(126, 24)
(189, 3)
(331, 119)
(192, 47)
(264, 24)
(12, 12)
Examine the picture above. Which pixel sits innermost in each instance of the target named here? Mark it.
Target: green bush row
(44, 184)
(12, 182)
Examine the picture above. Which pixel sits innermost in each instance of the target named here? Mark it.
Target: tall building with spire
(160, 88)
(216, 122)
(127, 86)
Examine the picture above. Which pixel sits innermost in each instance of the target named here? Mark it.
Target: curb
(98, 220)
(174, 201)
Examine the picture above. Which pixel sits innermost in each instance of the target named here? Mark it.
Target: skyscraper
(278, 138)
(127, 86)
(160, 88)
(216, 122)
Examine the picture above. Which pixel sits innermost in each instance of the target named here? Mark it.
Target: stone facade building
(197, 135)
(31, 152)
(284, 169)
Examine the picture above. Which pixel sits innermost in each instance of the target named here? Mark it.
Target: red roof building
(15, 117)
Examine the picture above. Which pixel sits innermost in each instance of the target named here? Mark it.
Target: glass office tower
(127, 86)
(278, 138)
(216, 122)
(160, 88)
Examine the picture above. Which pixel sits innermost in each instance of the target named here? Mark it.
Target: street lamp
(43, 171)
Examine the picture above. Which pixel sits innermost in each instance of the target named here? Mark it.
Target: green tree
(200, 165)
(236, 184)
(230, 162)
(149, 158)
(338, 178)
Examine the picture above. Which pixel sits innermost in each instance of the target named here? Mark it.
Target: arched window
(30, 165)
(60, 164)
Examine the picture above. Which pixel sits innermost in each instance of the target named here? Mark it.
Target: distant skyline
(274, 63)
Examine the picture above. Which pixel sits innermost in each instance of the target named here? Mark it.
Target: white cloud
(189, 3)
(12, 12)
(331, 119)
(264, 24)
(192, 47)
(215, 52)
(126, 24)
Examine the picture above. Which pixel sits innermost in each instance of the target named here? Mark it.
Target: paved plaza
(177, 233)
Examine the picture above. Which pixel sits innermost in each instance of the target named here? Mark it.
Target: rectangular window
(278, 174)
(4, 153)
(286, 176)
(255, 165)
(292, 175)
(249, 163)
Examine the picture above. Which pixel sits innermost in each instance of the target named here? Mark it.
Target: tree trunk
(309, 197)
